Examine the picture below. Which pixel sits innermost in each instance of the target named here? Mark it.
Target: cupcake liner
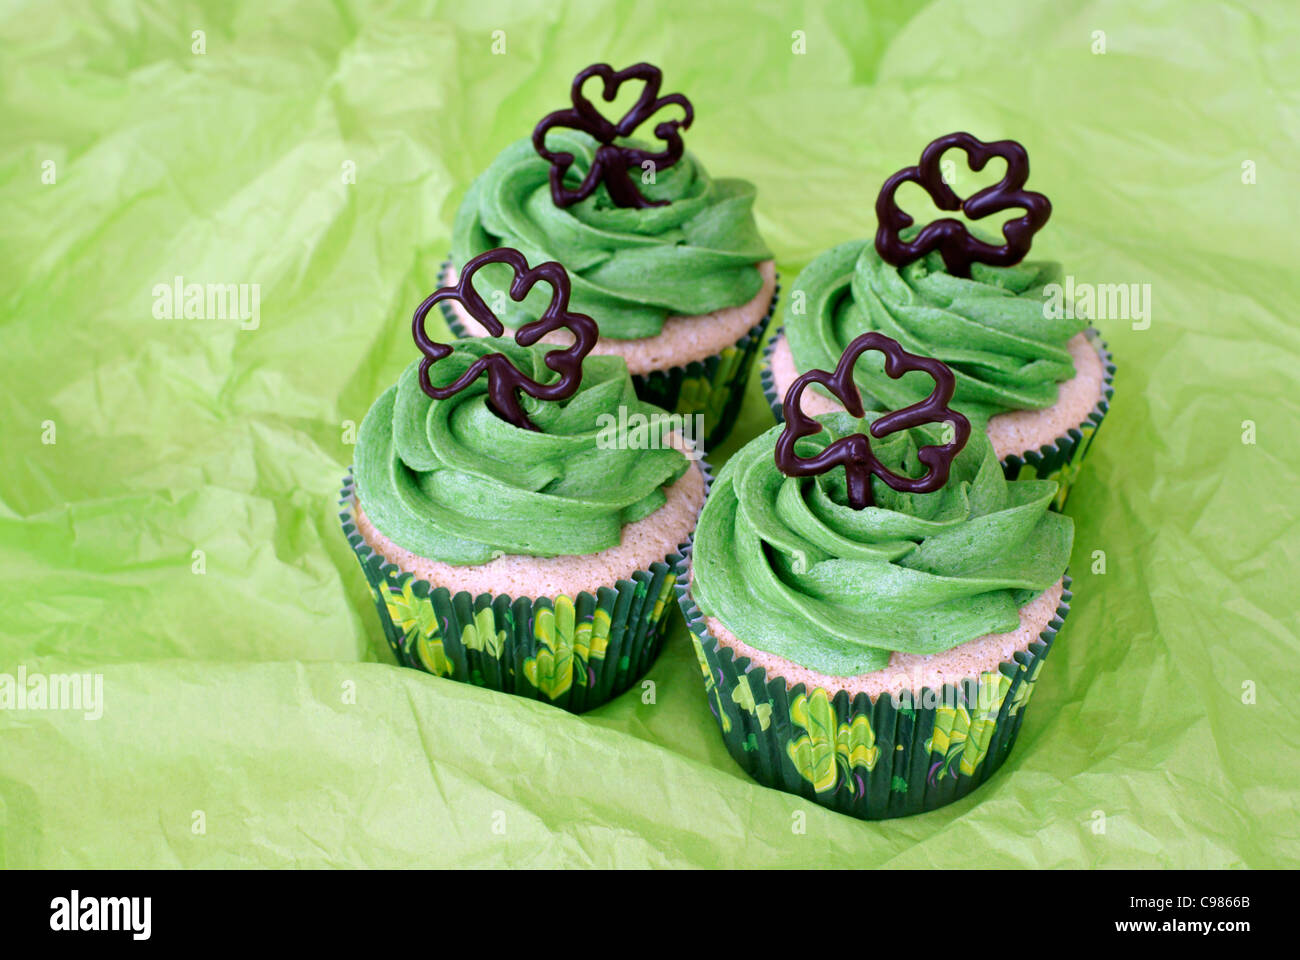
(714, 386)
(872, 759)
(767, 379)
(572, 652)
(1061, 460)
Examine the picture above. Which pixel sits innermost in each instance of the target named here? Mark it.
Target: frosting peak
(631, 268)
(1006, 351)
(451, 481)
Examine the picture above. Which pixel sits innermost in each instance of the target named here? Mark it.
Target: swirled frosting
(630, 268)
(451, 481)
(791, 569)
(990, 329)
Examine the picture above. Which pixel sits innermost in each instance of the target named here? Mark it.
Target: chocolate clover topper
(949, 235)
(505, 380)
(854, 452)
(613, 160)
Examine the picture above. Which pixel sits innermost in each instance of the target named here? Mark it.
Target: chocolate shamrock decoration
(612, 160)
(505, 380)
(949, 235)
(854, 452)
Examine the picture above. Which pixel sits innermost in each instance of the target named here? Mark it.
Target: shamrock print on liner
(854, 452)
(505, 380)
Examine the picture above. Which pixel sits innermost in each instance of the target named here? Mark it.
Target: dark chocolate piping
(958, 246)
(613, 161)
(854, 452)
(505, 380)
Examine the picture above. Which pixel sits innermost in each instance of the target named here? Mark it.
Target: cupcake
(515, 534)
(667, 258)
(871, 598)
(1037, 380)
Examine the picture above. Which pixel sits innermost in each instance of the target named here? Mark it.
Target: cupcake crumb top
(683, 339)
(907, 671)
(644, 542)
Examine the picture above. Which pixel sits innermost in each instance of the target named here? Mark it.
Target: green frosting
(452, 481)
(630, 268)
(793, 570)
(990, 329)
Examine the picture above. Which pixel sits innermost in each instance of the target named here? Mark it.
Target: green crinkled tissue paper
(168, 516)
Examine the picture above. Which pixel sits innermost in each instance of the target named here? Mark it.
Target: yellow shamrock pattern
(743, 697)
(564, 647)
(827, 749)
(711, 687)
(415, 617)
(962, 737)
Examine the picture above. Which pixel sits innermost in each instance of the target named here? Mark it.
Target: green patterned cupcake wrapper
(891, 757)
(1061, 460)
(714, 386)
(573, 652)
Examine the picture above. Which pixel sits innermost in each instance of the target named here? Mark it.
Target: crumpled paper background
(1160, 733)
